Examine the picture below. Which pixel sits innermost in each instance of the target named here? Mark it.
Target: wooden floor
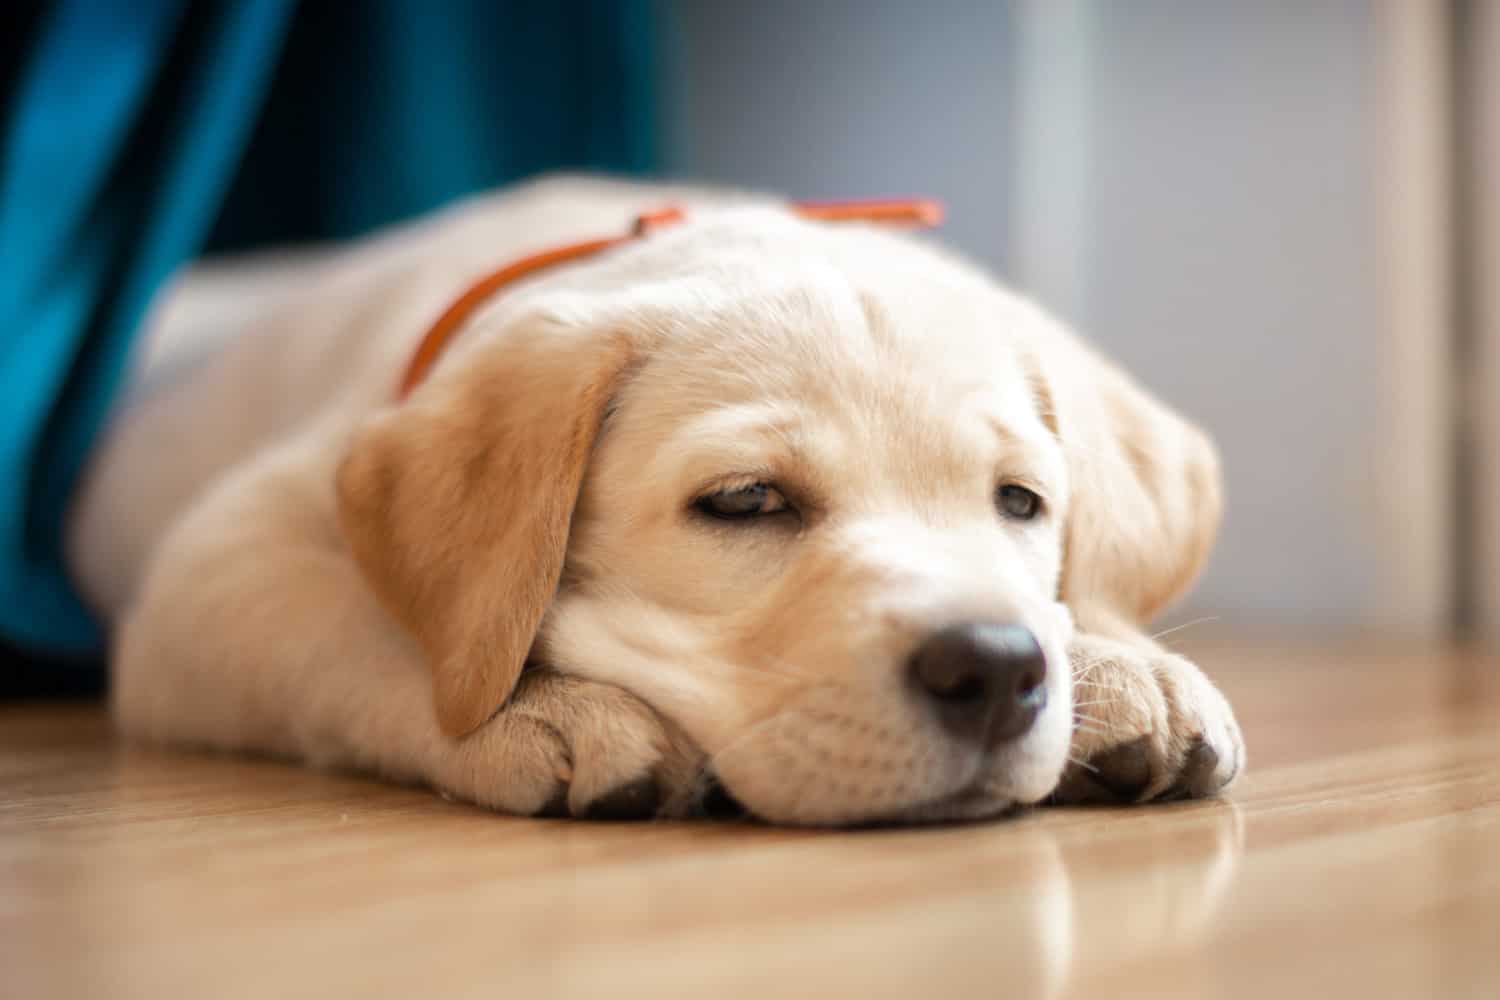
(1361, 857)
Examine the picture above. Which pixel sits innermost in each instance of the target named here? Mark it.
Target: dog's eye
(755, 500)
(1018, 502)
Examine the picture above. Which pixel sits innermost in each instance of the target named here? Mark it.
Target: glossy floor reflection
(1361, 857)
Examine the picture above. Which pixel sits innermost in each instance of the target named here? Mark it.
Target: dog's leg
(254, 631)
(1147, 725)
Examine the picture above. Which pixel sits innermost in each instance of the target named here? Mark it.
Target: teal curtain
(136, 136)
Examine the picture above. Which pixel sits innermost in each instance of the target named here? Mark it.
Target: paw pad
(1117, 775)
(557, 806)
(717, 803)
(638, 799)
(1196, 781)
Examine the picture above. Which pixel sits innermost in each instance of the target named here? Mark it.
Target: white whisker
(1179, 628)
(1100, 686)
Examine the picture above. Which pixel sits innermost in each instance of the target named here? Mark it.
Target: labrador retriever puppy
(812, 517)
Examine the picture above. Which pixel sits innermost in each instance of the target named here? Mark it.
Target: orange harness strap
(909, 213)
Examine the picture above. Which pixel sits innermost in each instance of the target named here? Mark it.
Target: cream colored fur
(299, 566)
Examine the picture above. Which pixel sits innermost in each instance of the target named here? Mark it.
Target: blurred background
(1273, 214)
(1276, 215)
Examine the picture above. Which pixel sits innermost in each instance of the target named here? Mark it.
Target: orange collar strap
(907, 213)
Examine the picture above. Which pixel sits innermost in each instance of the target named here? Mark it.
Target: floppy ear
(457, 504)
(1145, 500)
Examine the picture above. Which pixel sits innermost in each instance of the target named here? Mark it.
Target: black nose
(987, 682)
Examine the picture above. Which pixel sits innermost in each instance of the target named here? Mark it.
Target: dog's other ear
(1145, 493)
(457, 503)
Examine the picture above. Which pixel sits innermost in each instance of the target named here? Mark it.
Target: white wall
(1483, 284)
(851, 98)
(1226, 238)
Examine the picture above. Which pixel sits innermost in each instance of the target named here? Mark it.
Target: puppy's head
(822, 496)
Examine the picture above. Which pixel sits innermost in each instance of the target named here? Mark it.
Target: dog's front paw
(1146, 727)
(563, 746)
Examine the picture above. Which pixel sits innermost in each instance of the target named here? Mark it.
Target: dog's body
(767, 565)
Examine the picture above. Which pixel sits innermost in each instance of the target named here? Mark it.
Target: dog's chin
(970, 806)
(795, 786)
(974, 804)
(963, 808)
